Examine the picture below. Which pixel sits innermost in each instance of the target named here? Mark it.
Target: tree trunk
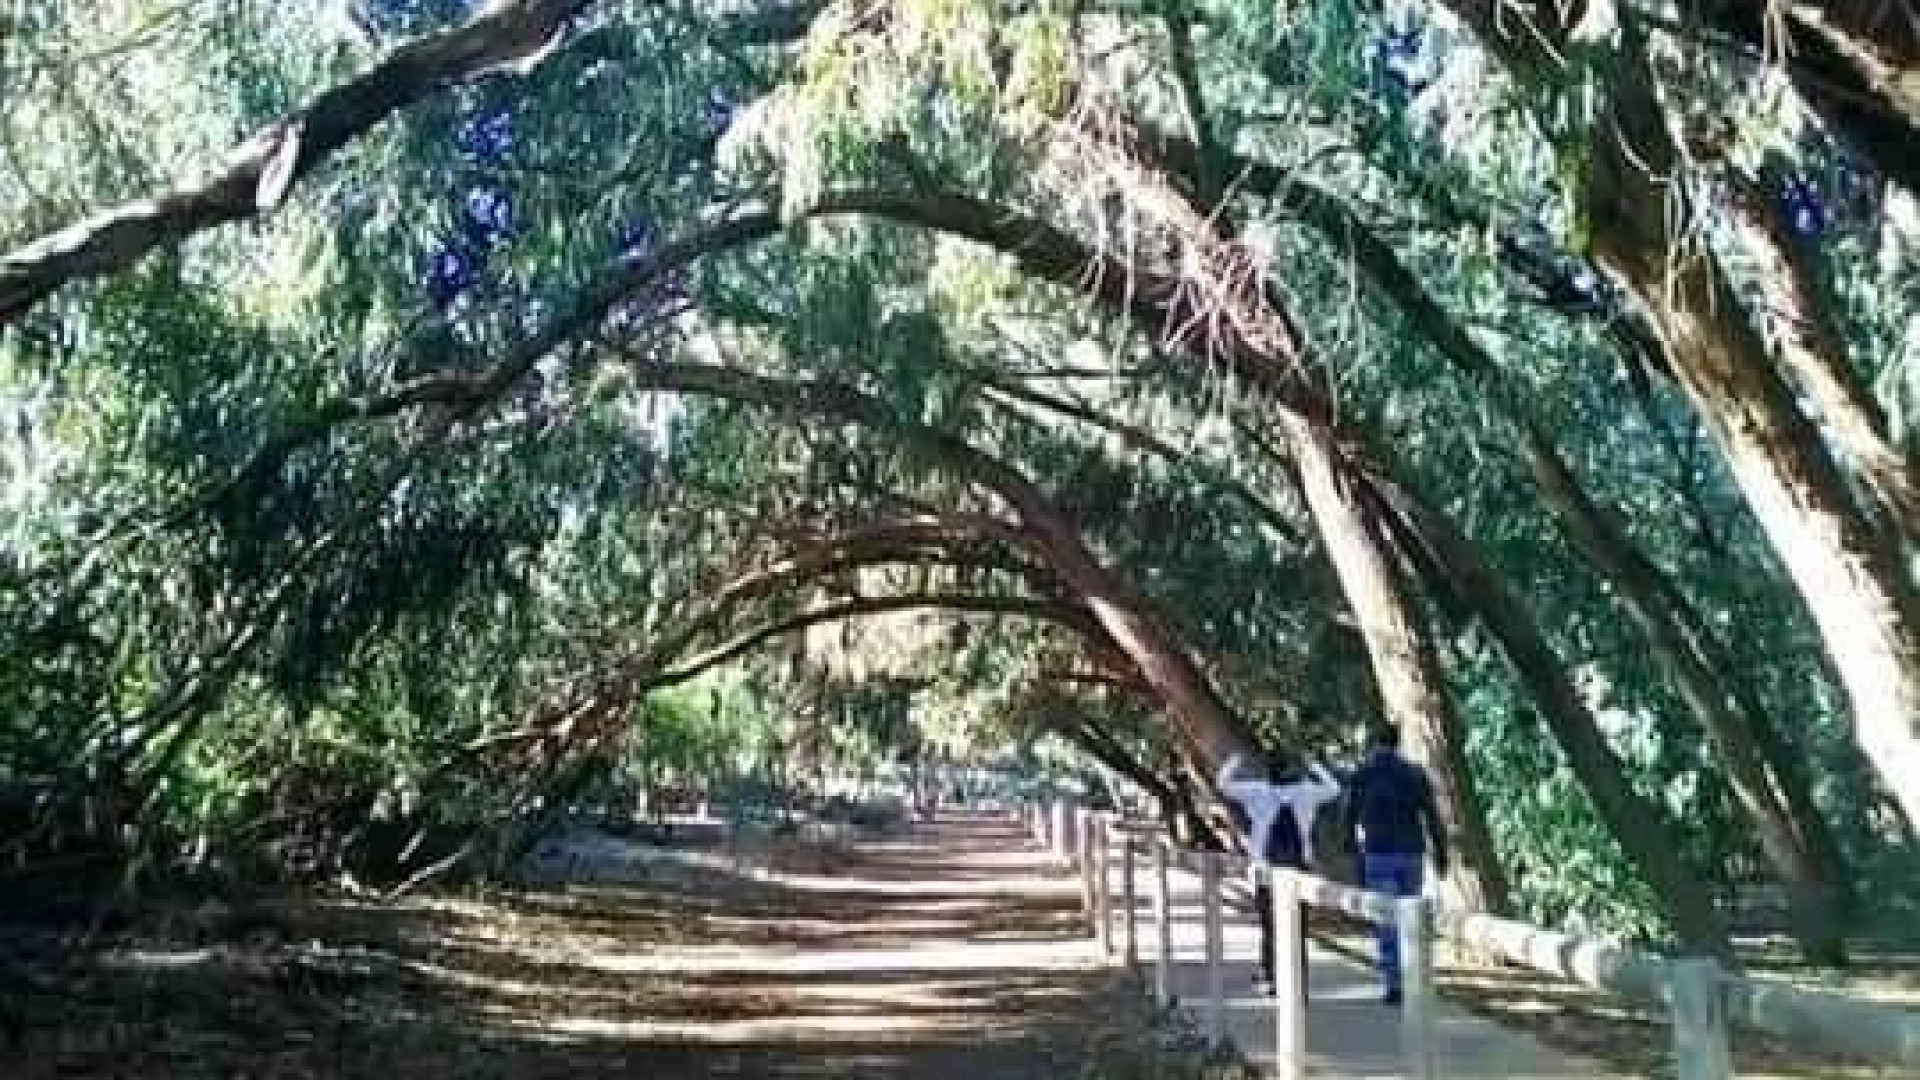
(1794, 837)
(1845, 568)
(1202, 722)
(1814, 354)
(1856, 62)
(1209, 728)
(1643, 830)
(1412, 687)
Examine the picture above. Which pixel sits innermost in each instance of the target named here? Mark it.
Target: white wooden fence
(1705, 1002)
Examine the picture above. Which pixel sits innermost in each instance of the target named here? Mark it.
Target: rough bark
(1813, 353)
(1406, 669)
(1202, 722)
(1846, 569)
(1794, 837)
(1638, 824)
(1856, 63)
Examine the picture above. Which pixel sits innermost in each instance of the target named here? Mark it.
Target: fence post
(1129, 899)
(1061, 839)
(1163, 920)
(1103, 882)
(1418, 989)
(1084, 849)
(1290, 977)
(1698, 1004)
(1216, 1013)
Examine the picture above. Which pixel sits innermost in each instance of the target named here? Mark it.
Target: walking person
(1279, 810)
(1390, 800)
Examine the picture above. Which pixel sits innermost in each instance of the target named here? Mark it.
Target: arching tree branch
(1056, 611)
(256, 176)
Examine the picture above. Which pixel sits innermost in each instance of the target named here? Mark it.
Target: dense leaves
(280, 555)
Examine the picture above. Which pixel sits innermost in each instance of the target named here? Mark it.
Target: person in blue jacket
(1278, 811)
(1390, 801)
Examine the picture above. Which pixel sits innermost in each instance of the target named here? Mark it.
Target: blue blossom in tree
(718, 112)
(449, 270)
(1803, 206)
(487, 137)
(486, 215)
(638, 239)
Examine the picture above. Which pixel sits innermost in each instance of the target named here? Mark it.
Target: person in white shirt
(1279, 812)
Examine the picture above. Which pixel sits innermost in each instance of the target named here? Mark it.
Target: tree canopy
(420, 413)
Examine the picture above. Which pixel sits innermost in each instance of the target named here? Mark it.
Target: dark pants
(1395, 875)
(1269, 948)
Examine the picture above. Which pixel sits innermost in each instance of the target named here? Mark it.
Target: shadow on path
(950, 954)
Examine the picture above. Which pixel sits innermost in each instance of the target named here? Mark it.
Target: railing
(1704, 1002)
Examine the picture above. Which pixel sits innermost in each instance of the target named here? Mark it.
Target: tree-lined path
(428, 425)
(954, 953)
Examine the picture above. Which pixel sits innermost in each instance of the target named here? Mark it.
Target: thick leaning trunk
(1638, 824)
(1210, 730)
(1845, 568)
(1794, 837)
(1203, 723)
(1814, 354)
(1103, 748)
(1855, 62)
(1412, 687)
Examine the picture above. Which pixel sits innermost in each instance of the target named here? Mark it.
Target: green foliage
(269, 632)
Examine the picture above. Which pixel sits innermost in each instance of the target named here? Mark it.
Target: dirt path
(948, 955)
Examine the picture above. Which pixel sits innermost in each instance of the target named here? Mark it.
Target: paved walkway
(1350, 1034)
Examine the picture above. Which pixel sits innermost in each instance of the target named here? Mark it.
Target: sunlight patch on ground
(997, 887)
(157, 959)
(975, 956)
(799, 1027)
(809, 927)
